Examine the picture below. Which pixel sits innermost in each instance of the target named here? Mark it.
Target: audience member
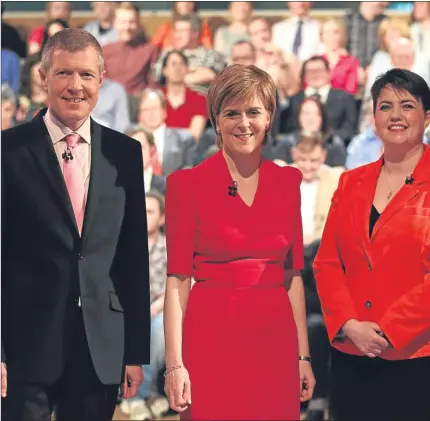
(112, 109)
(339, 106)
(10, 38)
(362, 27)
(420, 27)
(103, 27)
(163, 38)
(186, 109)
(203, 63)
(151, 166)
(299, 34)
(8, 107)
(54, 10)
(10, 69)
(343, 66)
(243, 52)
(173, 151)
(226, 36)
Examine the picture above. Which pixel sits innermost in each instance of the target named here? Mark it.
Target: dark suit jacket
(158, 182)
(46, 264)
(340, 110)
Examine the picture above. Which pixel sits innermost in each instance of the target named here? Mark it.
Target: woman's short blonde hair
(392, 23)
(340, 25)
(239, 83)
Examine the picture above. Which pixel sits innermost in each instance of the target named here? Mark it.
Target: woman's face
(400, 119)
(391, 35)
(243, 125)
(331, 35)
(146, 148)
(310, 118)
(240, 10)
(184, 8)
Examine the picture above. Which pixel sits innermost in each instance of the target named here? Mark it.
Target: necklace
(392, 191)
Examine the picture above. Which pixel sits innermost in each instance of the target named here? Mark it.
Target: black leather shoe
(315, 416)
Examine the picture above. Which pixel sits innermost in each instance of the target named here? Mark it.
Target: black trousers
(78, 394)
(377, 390)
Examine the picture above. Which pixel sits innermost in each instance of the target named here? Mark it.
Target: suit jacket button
(368, 304)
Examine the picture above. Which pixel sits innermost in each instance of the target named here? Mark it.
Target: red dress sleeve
(180, 223)
(295, 259)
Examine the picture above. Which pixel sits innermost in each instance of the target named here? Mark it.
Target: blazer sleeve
(180, 223)
(336, 302)
(134, 256)
(409, 317)
(295, 259)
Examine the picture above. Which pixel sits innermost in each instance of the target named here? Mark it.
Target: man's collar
(58, 131)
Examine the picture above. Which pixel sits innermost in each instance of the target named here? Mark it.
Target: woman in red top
(233, 224)
(344, 68)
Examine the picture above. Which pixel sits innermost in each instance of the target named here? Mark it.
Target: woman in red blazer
(373, 265)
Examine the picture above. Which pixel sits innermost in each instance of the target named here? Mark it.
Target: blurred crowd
(155, 91)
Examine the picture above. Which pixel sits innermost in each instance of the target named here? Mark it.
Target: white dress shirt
(159, 138)
(58, 131)
(309, 192)
(284, 33)
(322, 92)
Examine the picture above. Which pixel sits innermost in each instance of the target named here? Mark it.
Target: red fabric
(36, 35)
(390, 270)
(345, 74)
(239, 339)
(195, 104)
(155, 162)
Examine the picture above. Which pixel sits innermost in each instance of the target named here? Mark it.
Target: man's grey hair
(7, 94)
(71, 40)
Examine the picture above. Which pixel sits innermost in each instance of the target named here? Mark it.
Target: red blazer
(384, 278)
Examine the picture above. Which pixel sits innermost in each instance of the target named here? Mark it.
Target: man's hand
(3, 380)
(365, 337)
(133, 379)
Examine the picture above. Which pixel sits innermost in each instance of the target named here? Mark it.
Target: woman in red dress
(236, 343)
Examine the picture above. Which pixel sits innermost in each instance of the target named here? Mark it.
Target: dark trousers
(77, 395)
(377, 390)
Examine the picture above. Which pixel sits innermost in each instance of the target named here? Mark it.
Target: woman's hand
(178, 389)
(365, 337)
(307, 381)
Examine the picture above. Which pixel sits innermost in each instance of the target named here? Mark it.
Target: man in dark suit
(339, 105)
(75, 281)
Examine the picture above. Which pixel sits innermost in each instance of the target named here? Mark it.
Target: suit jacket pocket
(114, 303)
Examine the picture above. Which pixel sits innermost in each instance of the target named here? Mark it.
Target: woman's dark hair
(166, 58)
(402, 80)
(61, 22)
(325, 129)
(322, 59)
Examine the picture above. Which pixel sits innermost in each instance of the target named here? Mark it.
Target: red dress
(239, 336)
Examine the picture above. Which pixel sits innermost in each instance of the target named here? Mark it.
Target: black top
(374, 216)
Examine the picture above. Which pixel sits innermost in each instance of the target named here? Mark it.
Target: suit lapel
(43, 153)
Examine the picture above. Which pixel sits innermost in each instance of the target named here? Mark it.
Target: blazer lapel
(42, 149)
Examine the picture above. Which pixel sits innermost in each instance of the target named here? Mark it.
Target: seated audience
(54, 10)
(299, 34)
(343, 66)
(339, 106)
(163, 37)
(226, 36)
(10, 69)
(203, 63)
(151, 166)
(186, 109)
(112, 109)
(8, 107)
(420, 29)
(243, 52)
(103, 27)
(173, 151)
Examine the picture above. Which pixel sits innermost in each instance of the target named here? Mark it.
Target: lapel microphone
(409, 179)
(67, 155)
(232, 189)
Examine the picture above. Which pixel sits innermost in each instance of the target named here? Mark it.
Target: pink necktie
(74, 178)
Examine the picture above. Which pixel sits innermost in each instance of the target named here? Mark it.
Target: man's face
(309, 162)
(126, 23)
(316, 74)
(104, 10)
(151, 112)
(7, 113)
(402, 55)
(175, 69)
(154, 217)
(182, 35)
(260, 34)
(60, 10)
(242, 54)
(72, 82)
(299, 9)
